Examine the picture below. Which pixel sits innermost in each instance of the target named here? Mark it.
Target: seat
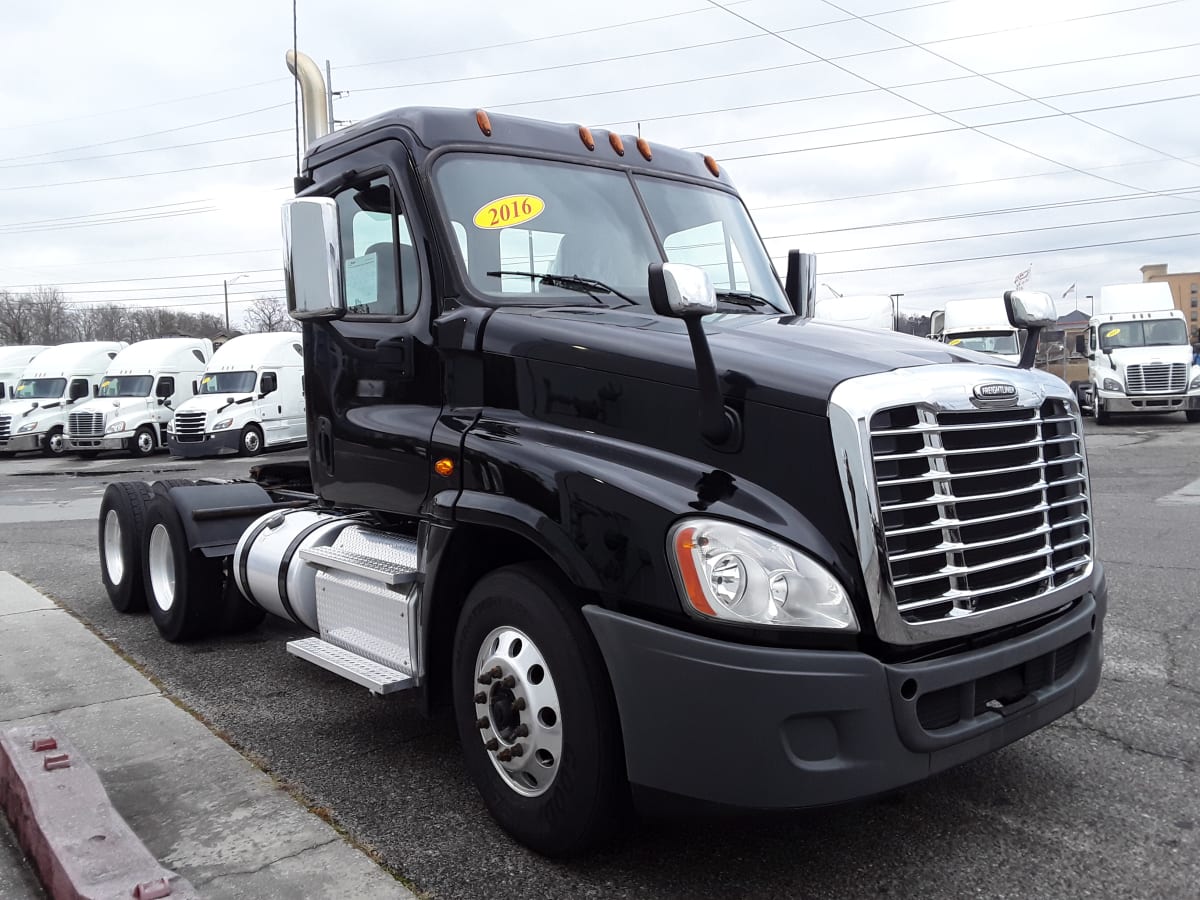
(387, 302)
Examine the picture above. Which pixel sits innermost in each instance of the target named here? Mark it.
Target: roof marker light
(585, 135)
(485, 124)
(644, 148)
(615, 140)
(712, 166)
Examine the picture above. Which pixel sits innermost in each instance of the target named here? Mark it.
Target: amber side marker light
(644, 149)
(684, 544)
(585, 135)
(485, 124)
(444, 467)
(617, 143)
(712, 166)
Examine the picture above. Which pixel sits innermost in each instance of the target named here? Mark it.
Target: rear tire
(122, 522)
(183, 587)
(566, 790)
(251, 441)
(143, 443)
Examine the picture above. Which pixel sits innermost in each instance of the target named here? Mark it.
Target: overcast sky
(148, 144)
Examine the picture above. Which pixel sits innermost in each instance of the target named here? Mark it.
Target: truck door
(373, 379)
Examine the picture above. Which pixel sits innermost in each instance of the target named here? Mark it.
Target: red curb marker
(65, 822)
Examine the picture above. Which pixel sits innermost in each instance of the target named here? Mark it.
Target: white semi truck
(138, 396)
(981, 325)
(53, 382)
(874, 313)
(1139, 358)
(250, 397)
(13, 362)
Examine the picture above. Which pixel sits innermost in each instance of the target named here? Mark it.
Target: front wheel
(54, 443)
(251, 442)
(1103, 416)
(143, 443)
(535, 712)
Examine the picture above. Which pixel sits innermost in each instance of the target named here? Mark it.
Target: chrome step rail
(376, 678)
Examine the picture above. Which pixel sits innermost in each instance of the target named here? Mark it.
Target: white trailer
(250, 397)
(13, 362)
(873, 313)
(138, 396)
(1139, 358)
(57, 378)
(981, 325)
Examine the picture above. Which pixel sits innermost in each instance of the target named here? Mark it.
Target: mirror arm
(1031, 347)
(717, 424)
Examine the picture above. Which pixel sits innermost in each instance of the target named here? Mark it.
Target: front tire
(143, 443)
(54, 443)
(535, 712)
(251, 441)
(122, 522)
(183, 587)
(1103, 416)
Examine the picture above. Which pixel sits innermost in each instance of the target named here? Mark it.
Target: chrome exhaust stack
(314, 101)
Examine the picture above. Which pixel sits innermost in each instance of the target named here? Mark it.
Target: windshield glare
(536, 216)
(1004, 342)
(40, 388)
(228, 383)
(126, 386)
(1163, 333)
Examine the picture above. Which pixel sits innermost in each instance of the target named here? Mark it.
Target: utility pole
(225, 282)
(896, 311)
(329, 94)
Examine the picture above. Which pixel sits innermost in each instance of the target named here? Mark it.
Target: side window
(708, 247)
(380, 269)
(166, 386)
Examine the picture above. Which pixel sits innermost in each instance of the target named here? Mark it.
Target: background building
(1185, 288)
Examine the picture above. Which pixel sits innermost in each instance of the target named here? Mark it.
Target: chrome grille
(1156, 378)
(85, 424)
(189, 425)
(981, 508)
(5, 427)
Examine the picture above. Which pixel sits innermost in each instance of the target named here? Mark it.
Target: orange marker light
(485, 124)
(712, 166)
(684, 544)
(615, 140)
(444, 467)
(644, 148)
(585, 135)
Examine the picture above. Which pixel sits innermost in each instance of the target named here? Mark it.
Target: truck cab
(979, 325)
(1139, 356)
(249, 398)
(13, 362)
(50, 386)
(137, 397)
(585, 468)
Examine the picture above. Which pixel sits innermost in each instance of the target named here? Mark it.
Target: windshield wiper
(744, 298)
(569, 282)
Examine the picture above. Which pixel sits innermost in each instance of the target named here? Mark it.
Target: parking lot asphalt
(1103, 803)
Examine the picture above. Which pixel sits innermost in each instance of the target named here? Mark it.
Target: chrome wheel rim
(114, 559)
(162, 568)
(145, 442)
(251, 441)
(517, 710)
(57, 442)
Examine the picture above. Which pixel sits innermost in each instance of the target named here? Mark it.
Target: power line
(1000, 84)
(236, 162)
(106, 262)
(133, 209)
(207, 289)
(930, 109)
(158, 277)
(220, 140)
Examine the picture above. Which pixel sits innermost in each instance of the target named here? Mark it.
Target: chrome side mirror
(312, 259)
(1030, 309)
(681, 291)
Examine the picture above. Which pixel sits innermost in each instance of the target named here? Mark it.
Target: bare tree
(268, 314)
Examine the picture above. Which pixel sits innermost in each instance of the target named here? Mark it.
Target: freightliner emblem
(995, 392)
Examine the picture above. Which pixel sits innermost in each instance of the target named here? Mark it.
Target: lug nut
(481, 697)
(491, 675)
(519, 704)
(518, 750)
(505, 755)
(521, 731)
(508, 681)
(492, 744)
(483, 722)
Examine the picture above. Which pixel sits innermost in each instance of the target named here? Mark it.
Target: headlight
(1111, 384)
(224, 423)
(28, 426)
(1195, 382)
(115, 427)
(736, 574)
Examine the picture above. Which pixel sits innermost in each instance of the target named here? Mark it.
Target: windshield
(1162, 333)
(1004, 342)
(126, 386)
(540, 217)
(40, 388)
(228, 383)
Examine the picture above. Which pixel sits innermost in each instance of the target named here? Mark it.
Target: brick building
(1185, 289)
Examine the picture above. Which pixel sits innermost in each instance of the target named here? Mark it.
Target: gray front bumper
(22, 443)
(208, 445)
(771, 728)
(97, 444)
(1150, 404)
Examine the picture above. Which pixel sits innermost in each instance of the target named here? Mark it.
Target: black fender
(215, 515)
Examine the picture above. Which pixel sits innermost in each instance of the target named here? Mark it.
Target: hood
(110, 405)
(787, 361)
(210, 403)
(18, 408)
(1141, 356)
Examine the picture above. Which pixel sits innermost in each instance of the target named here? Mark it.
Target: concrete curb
(66, 824)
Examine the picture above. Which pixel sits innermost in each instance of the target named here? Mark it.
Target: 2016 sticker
(508, 211)
(1113, 333)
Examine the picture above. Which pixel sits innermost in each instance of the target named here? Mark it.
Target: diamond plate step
(371, 675)
(381, 570)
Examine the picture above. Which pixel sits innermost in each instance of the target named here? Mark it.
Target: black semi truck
(584, 467)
